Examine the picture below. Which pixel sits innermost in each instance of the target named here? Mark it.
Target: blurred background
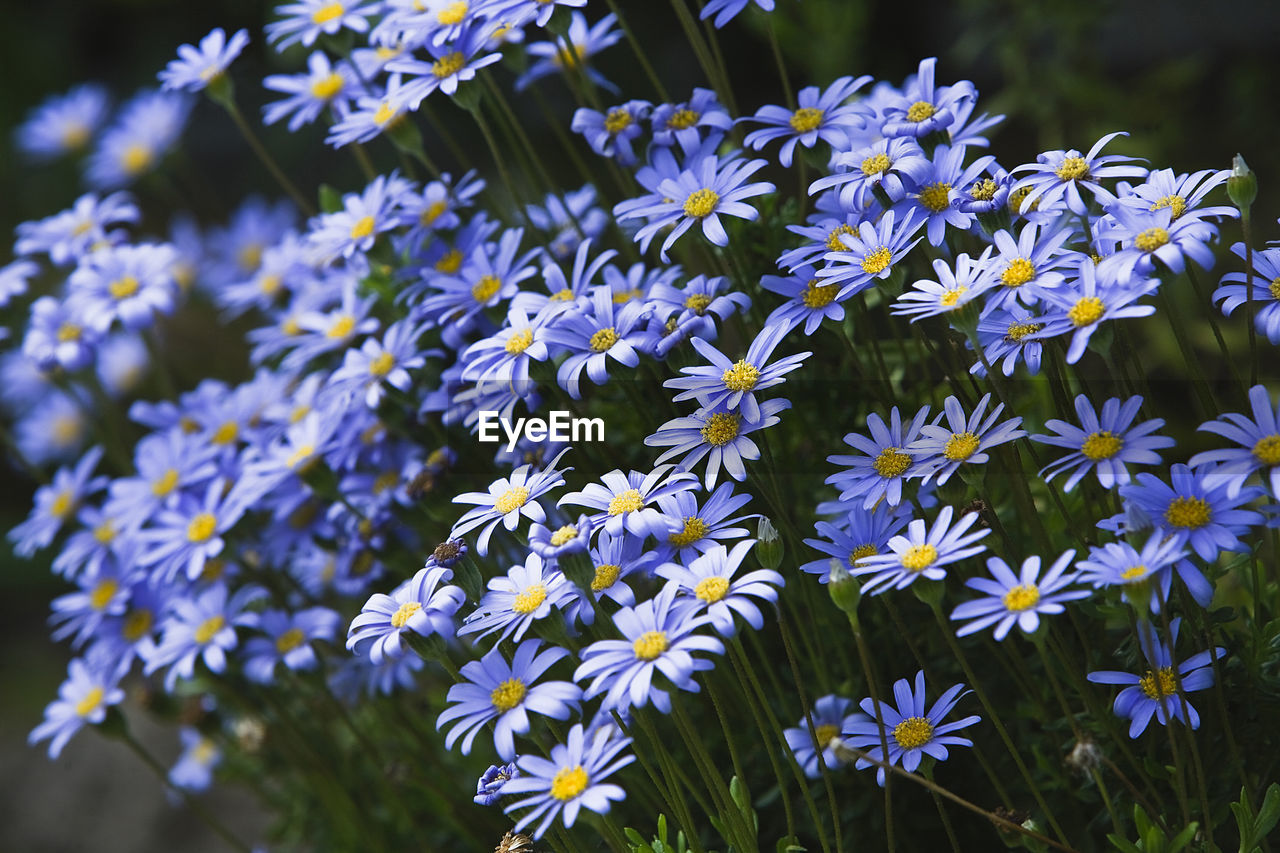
(1193, 83)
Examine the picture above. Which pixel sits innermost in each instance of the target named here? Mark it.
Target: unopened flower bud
(769, 548)
(1242, 186)
(844, 590)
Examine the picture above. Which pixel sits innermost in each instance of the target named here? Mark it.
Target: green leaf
(1182, 839)
(790, 844)
(1268, 814)
(330, 199)
(1123, 844)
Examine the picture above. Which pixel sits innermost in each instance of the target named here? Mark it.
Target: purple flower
(709, 581)
(420, 605)
(1017, 598)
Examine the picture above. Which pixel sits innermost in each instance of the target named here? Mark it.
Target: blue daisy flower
(859, 533)
(1057, 177)
(288, 638)
(924, 108)
(940, 451)
(1197, 510)
(1103, 443)
(197, 67)
(872, 253)
(612, 134)
(831, 719)
(507, 500)
(1008, 336)
(721, 437)
(921, 553)
(570, 780)
(818, 115)
(593, 337)
(524, 595)
(420, 604)
(624, 500)
(910, 731)
(505, 694)
(658, 638)
(1161, 691)
(83, 699)
(573, 54)
(1261, 294)
(710, 583)
(878, 473)
(1018, 599)
(1260, 444)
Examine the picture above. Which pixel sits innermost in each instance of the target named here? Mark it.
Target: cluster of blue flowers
(248, 521)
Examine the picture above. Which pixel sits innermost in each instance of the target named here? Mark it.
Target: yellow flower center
(743, 376)
(512, 499)
(697, 302)
(1176, 203)
(628, 501)
(290, 640)
(949, 298)
(75, 136)
(136, 158)
(983, 190)
(564, 294)
(1018, 196)
(453, 13)
(201, 527)
(1267, 450)
(824, 734)
(917, 558)
(569, 782)
(606, 575)
(683, 119)
(137, 623)
(520, 341)
(878, 261)
(382, 365)
(327, 13)
(1073, 169)
(919, 111)
(602, 340)
(913, 732)
(90, 702)
(694, 529)
(569, 56)
(1019, 272)
(328, 86)
(701, 202)
(960, 446)
(1018, 331)
(404, 613)
(892, 462)
(69, 332)
(530, 599)
(1133, 573)
(936, 197)
(861, 553)
(363, 228)
(565, 534)
(834, 243)
(1190, 513)
(650, 644)
(721, 428)
(1087, 311)
(386, 480)
(508, 694)
(1022, 597)
(103, 593)
(62, 505)
(208, 628)
(876, 164)
(301, 455)
(806, 119)
(270, 283)
(123, 288)
(1159, 683)
(341, 328)
(617, 120)
(1101, 445)
(385, 113)
(448, 65)
(1151, 239)
(711, 589)
(484, 289)
(817, 295)
(105, 532)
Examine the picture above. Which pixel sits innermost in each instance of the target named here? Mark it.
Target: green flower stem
(926, 770)
(711, 682)
(752, 702)
(853, 754)
(363, 161)
(870, 678)
(441, 130)
(641, 57)
(787, 92)
(1246, 231)
(746, 673)
(701, 51)
(263, 155)
(1207, 405)
(678, 804)
(1106, 801)
(501, 163)
(798, 684)
(197, 808)
(995, 720)
(666, 794)
(735, 820)
(1203, 299)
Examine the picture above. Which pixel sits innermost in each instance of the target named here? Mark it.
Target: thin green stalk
(262, 154)
(198, 808)
(869, 676)
(996, 721)
(927, 772)
(735, 820)
(700, 50)
(641, 57)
